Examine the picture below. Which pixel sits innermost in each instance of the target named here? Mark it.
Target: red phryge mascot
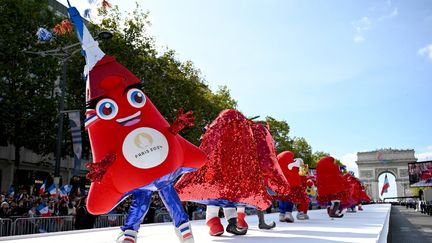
(354, 193)
(307, 182)
(330, 185)
(364, 198)
(291, 170)
(232, 175)
(135, 150)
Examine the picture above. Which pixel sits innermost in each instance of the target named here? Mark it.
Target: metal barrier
(198, 215)
(162, 217)
(23, 226)
(109, 220)
(5, 227)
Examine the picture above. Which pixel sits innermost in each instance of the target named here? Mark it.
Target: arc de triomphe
(374, 163)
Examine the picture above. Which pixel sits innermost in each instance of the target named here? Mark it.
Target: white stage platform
(370, 225)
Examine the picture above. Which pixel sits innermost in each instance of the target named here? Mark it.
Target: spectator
(84, 220)
(63, 209)
(71, 209)
(5, 210)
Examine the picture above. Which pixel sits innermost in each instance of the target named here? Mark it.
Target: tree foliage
(28, 101)
(29, 90)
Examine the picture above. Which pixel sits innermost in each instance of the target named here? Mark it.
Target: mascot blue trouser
(141, 204)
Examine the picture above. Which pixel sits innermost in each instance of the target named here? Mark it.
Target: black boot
(334, 209)
(262, 224)
(233, 229)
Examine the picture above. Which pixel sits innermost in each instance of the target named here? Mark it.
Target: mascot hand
(182, 121)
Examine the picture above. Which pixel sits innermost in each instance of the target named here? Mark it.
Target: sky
(348, 76)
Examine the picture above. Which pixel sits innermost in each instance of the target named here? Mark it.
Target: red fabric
(267, 157)
(330, 184)
(233, 170)
(364, 197)
(107, 75)
(109, 79)
(349, 196)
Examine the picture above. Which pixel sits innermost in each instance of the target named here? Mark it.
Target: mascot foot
(128, 236)
(302, 216)
(241, 223)
(351, 210)
(262, 224)
(281, 217)
(360, 208)
(233, 228)
(266, 226)
(216, 227)
(333, 210)
(184, 233)
(288, 217)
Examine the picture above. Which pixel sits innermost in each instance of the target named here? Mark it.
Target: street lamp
(63, 54)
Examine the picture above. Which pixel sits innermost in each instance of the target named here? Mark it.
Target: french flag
(43, 210)
(53, 190)
(385, 186)
(42, 188)
(65, 190)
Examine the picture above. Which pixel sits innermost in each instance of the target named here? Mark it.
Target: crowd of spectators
(22, 204)
(424, 207)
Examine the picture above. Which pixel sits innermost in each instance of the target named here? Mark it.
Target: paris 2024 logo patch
(145, 148)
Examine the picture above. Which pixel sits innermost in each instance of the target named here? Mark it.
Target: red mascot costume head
(330, 184)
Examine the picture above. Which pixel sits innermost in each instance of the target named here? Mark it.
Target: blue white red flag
(385, 186)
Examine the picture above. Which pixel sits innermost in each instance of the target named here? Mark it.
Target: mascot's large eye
(136, 98)
(106, 109)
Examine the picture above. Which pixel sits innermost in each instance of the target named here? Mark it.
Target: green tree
(280, 131)
(316, 156)
(28, 99)
(302, 149)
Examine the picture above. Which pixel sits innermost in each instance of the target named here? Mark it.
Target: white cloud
(393, 14)
(424, 156)
(360, 27)
(358, 39)
(426, 51)
(429, 147)
(350, 161)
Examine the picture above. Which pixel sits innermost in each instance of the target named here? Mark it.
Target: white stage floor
(370, 225)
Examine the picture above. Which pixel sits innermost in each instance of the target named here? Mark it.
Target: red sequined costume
(234, 173)
(329, 181)
(351, 195)
(364, 197)
(271, 171)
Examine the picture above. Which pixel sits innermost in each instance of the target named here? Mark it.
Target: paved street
(407, 226)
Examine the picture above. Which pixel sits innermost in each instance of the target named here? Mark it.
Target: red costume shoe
(241, 223)
(216, 227)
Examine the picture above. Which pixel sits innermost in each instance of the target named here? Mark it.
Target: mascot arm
(182, 121)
